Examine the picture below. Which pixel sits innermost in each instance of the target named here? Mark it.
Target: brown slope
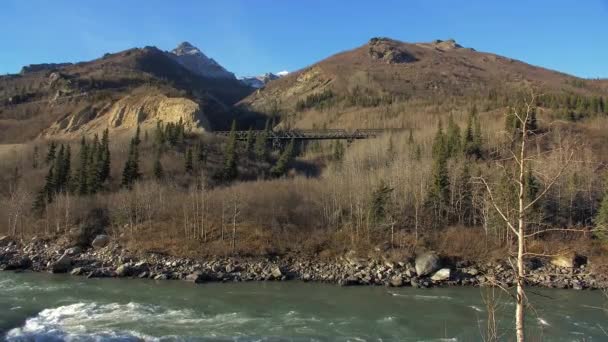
(389, 71)
(117, 91)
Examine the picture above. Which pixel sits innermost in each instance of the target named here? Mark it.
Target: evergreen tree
(49, 185)
(338, 152)
(261, 146)
(136, 139)
(158, 167)
(50, 156)
(189, 163)
(410, 139)
(391, 153)
(35, 157)
(94, 166)
(159, 134)
(281, 167)
(80, 185)
(249, 141)
(472, 143)
(453, 137)
(379, 203)
(465, 196)
(130, 173)
(439, 195)
(229, 171)
(104, 165)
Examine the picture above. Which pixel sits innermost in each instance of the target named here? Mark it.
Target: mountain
(261, 80)
(119, 91)
(194, 60)
(358, 87)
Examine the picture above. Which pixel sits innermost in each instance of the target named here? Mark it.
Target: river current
(44, 307)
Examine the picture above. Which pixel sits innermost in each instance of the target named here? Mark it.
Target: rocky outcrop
(387, 51)
(43, 67)
(144, 109)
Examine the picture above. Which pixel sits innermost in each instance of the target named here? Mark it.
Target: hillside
(355, 87)
(118, 91)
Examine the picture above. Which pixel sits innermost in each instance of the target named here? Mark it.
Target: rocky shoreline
(105, 258)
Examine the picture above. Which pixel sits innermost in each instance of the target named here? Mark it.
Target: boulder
(196, 277)
(73, 251)
(100, 241)
(4, 241)
(568, 260)
(396, 281)
(62, 265)
(124, 270)
(276, 272)
(441, 275)
(427, 263)
(349, 281)
(18, 263)
(78, 271)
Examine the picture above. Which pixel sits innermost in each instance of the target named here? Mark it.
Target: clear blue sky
(251, 37)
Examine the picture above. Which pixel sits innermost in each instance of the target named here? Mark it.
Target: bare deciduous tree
(523, 161)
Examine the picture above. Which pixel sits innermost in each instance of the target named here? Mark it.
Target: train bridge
(280, 136)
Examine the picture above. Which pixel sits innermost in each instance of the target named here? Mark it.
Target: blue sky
(255, 36)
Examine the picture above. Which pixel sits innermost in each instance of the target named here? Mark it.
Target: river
(45, 307)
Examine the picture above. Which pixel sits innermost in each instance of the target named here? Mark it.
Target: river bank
(106, 258)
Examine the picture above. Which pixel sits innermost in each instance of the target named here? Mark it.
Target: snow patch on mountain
(195, 60)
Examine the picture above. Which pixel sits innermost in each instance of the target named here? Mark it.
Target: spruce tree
(453, 137)
(439, 194)
(94, 166)
(338, 152)
(80, 185)
(472, 143)
(50, 156)
(281, 167)
(189, 163)
(35, 157)
(379, 203)
(158, 167)
(229, 171)
(261, 146)
(466, 196)
(136, 139)
(130, 172)
(105, 157)
(249, 141)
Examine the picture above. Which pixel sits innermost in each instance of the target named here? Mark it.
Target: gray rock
(196, 277)
(62, 265)
(78, 271)
(73, 251)
(18, 263)
(276, 272)
(124, 270)
(396, 281)
(427, 263)
(441, 275)
(5, 240)
(100, 241)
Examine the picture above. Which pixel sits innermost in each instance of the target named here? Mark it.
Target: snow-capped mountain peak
(195, 60)
(261, 80)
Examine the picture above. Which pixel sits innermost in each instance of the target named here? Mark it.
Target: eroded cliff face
(128, 112)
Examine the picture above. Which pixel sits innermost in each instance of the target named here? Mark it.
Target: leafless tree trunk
(522, 161)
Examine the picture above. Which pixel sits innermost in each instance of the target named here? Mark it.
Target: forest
(423, 187)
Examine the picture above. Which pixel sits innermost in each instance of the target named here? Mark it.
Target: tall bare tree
(524, 161)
